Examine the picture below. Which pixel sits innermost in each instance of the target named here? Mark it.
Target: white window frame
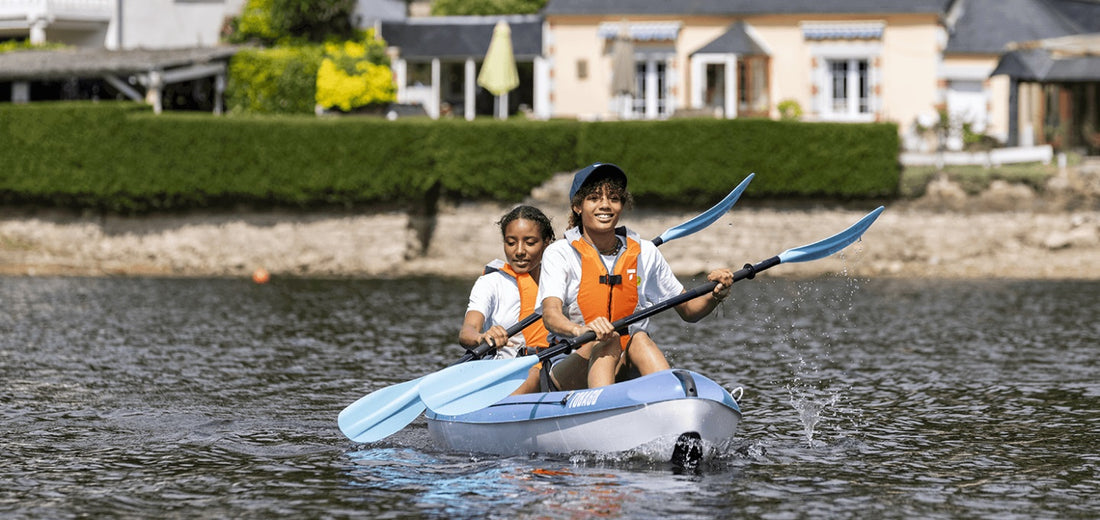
(650, 99)
(824, 55)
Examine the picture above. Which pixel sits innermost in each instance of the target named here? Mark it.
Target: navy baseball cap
(595, 171)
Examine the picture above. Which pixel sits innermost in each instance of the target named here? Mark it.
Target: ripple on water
(166, 397)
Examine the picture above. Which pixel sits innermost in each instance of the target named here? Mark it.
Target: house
(840, 60)
(118, 24)
(143, 49)
(1055, 86)
(1019, 71)
(1010, 103)
(435, 62)
(905, 61)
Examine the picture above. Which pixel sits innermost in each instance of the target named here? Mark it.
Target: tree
(485, 7)
(272, 21)
(314, 55)
(315, 20)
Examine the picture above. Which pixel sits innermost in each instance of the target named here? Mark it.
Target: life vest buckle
(611, 279)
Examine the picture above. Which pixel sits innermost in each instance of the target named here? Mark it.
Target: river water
(137, 398)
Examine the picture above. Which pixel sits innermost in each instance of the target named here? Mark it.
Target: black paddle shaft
(749, 272)
(479, 351)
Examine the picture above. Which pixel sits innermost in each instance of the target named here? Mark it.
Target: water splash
(810, 411)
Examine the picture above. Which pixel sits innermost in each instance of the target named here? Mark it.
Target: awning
(842, 30)
(641, 31)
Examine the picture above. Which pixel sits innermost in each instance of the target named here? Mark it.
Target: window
(418, 74)
(582, 69)
(651, 86)
(752, 86)
(848, 88)
(714, 95)
(454, 80)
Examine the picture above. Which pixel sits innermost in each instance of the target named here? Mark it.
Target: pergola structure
(139, 74)
(1055, 90)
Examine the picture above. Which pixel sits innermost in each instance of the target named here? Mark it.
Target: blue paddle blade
(707, 217)
(382, 413)
(474, 385)
(823, 248)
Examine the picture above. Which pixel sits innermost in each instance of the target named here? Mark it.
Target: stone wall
(1006, 232)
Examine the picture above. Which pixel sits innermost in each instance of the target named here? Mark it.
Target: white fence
(996, 157)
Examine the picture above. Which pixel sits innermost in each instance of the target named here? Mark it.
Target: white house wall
(577, 46)
(165, 24)
(995, 90)
(791, 62)
(911, 51)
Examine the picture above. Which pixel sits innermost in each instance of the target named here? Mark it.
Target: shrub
(348, 79)
(274, 81)
(789, 110)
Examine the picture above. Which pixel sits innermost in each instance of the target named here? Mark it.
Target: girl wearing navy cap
(602, 272)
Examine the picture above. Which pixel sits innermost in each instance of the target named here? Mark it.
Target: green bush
(501, 160)
(119, 157)
(687, 161)
(282, 80)
(789, 110)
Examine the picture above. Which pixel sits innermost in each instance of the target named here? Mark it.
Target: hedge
(688, 161)
(120, 157)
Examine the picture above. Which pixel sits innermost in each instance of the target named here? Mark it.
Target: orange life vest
(611, 295)
(535, 334)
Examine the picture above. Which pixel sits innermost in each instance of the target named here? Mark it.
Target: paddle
(706, 218)
(472, 386)
(383, 412)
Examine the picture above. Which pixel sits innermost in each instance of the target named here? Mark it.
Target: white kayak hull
(648, 415)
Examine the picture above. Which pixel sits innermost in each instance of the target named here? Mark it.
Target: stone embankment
(1008, 231)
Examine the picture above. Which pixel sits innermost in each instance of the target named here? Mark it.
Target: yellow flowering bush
(256, 22)
(348, 78)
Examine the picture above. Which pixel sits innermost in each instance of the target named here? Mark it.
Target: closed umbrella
(498, 72)
(622, 70)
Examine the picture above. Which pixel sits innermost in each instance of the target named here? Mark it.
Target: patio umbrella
(622, 69)
(498, 72)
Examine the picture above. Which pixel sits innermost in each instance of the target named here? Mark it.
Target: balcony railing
(52, 10)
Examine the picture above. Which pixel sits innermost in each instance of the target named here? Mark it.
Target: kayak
(675, 415)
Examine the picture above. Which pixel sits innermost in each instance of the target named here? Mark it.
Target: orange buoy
(261, 275)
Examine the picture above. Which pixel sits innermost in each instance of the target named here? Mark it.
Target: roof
(1084, 13)
(67, 63)
(1057, 60)
(987, 26)
(1041, 65)
(734, 41)
(741, 7)
(461, 36)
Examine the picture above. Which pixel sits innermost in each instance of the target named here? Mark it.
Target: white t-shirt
(561, 277)
(496, 296)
